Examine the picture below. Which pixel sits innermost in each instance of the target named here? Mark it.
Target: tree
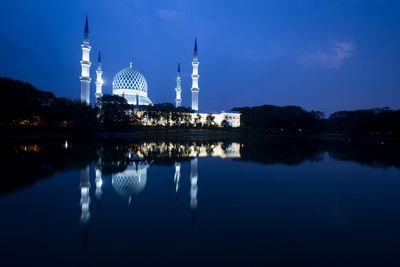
(187, 118)
(25, 105)
(210, 120)
(197, 121)
(225, 124)
(286, 119)
(114, 114)
(176, 119)
(166, 113)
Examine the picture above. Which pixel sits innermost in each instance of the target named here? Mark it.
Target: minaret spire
(86, 31)
(99, 61)
(178, 88)
(195, 79)
(195, 47)
(85, 65)
(99, 80)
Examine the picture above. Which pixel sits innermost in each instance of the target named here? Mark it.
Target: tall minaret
(85, 64)
(99, 81)
(178, 88)
(195, 79)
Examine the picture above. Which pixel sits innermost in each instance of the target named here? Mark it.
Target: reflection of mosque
(132, 180)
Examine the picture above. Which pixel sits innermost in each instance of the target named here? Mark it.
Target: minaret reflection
(85, 203)
(193, 189)
(98, 181)
(85, 197)
(177, 177)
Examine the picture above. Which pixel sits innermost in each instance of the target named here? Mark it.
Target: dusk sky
(324, 55)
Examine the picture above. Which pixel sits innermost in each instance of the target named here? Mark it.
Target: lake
(266, 202)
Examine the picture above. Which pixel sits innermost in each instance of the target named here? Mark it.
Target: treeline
(31, 110)
(378, 122)
(280, 120)
(24, 106)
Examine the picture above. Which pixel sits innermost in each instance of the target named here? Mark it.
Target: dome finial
(130, 64)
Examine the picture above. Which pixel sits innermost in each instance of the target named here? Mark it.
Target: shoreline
(196, 134)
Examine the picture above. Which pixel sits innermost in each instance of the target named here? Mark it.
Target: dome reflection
(132, 180)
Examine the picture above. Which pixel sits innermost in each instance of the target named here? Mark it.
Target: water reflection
(131, 181)
(85, 202)
(177, 178)
(193, 189)
(98, 181)
(111, 156)
(85, 196)
(294, 202)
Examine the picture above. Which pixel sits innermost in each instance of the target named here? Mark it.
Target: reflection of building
(177, 175)
(219, 149)
(193, 183)
(85, 197)
(131, 181)
(98, 181)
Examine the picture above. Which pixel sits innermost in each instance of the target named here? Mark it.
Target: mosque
(132, 85)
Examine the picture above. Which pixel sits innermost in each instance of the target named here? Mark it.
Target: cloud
(332, 59)
(169, 14)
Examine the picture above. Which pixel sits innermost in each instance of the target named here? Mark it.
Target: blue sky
(324, 55)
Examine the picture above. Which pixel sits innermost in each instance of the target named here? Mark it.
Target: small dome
(128, 78)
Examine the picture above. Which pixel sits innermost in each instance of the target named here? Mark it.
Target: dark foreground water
(249, 203)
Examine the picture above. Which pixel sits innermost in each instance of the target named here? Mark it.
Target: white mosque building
(132, 85)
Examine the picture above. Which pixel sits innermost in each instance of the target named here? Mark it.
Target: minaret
(178, 88)
(99, 81)
(85, 64)
(195, 79)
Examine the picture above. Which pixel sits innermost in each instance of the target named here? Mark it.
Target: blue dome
(128, 78)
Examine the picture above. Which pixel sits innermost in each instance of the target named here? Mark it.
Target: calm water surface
(196, 203)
